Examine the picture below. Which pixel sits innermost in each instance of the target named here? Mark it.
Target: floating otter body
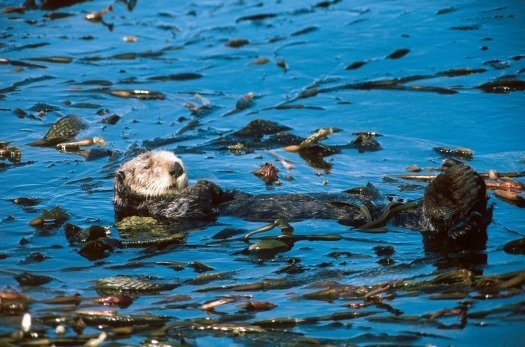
(454, 213)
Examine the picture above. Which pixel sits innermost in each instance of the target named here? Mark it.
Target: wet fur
(455, 212)
(454, 215)
(148, 177)
(293, 207)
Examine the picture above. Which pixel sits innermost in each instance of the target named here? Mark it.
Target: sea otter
(156, 184)
(453, 215)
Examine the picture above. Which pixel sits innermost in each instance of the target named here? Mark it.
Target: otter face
(154, 174)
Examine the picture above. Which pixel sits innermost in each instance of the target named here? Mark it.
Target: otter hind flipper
(473, 226)
(455, 213)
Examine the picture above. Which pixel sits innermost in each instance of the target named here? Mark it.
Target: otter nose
(176, 170)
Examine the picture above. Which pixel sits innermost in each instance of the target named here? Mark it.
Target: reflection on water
(178, 76)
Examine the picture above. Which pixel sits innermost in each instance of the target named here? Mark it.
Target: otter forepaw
(217, 194)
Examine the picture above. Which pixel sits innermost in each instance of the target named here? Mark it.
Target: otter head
(152, 174)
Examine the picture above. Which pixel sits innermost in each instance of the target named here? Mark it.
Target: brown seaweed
(503, 85)
(184, 76)
(27, 279)
(64, 129)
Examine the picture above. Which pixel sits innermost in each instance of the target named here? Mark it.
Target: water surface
(305, 42)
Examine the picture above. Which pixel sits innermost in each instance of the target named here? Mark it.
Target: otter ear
(120, 176)
(150, 163)
(177, 170)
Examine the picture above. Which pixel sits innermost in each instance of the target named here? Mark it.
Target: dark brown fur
(454, 214)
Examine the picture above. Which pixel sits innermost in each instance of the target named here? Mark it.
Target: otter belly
(290, 207)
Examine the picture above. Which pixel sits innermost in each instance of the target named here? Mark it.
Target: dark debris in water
(503, 85)
(254, 136)
(25, 82)
(27, 279)
(515, 246)
(400, 53)
(268, 173)
(363, 303)
(460, 153)
(42, 107)
(177, 77)
(11, 153)
(257, 17)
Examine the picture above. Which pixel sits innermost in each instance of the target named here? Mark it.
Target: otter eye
(176, 170)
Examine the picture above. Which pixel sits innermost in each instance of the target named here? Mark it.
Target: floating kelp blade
(428, 178)
(510, 197)
(52, 59)
(112, 319)
(509, 186)
(286, 229)
(257, 306)
(129, 285)
(89, 141)
(177, 77)
(206, 278)
(390, 210)
(311, 140)
(24, 82)
(355, 65)
(20, 63)
(50, 218)
(63, 130)
(325, 237)
(268, 245)
(141, 94)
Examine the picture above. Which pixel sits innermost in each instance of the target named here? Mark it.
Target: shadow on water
(380, 87)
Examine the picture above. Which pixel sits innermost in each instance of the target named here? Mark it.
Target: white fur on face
(151, 174)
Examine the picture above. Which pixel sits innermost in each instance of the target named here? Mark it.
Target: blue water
(190, 37)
